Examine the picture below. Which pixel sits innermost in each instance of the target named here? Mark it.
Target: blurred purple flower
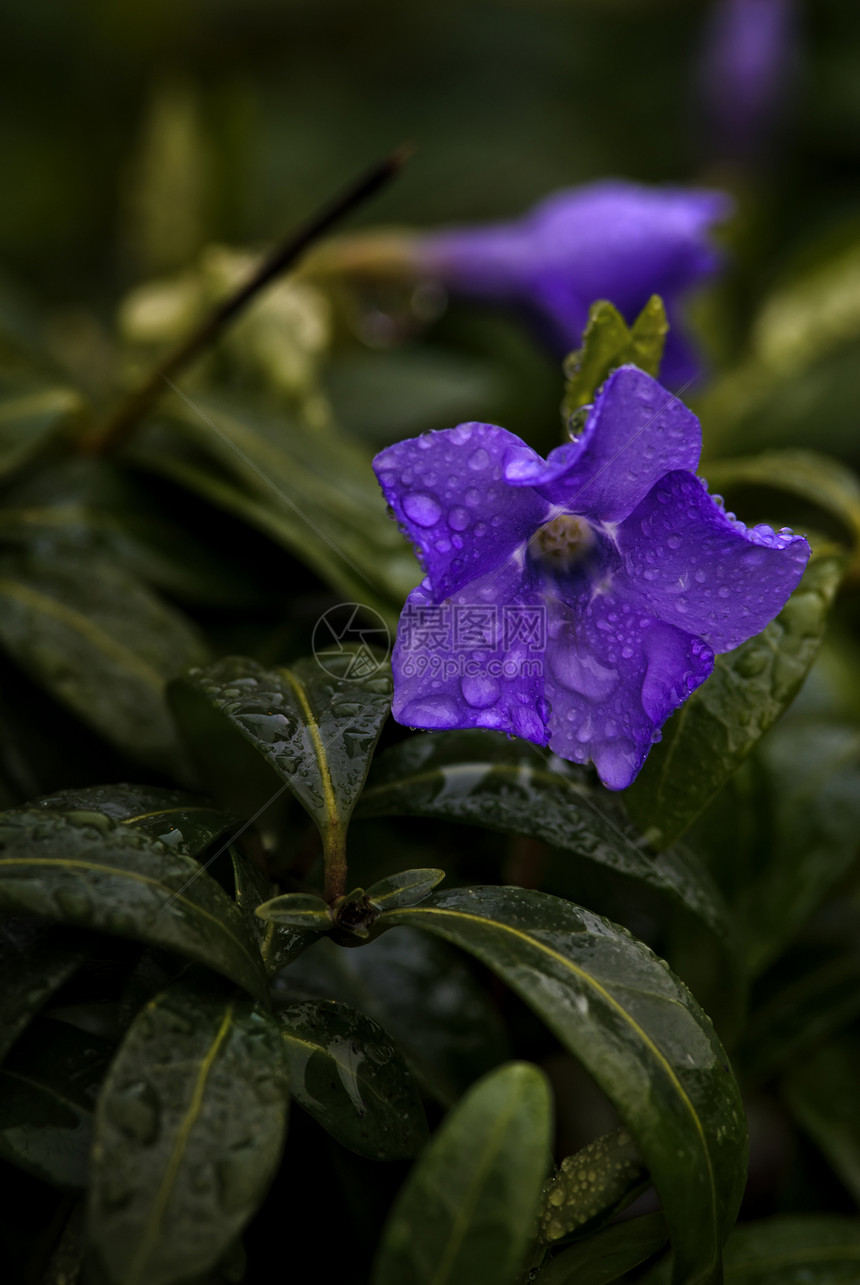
(609, 240)
(747, 65)
(574, 601)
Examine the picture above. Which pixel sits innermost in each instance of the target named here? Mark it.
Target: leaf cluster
(212, 1030)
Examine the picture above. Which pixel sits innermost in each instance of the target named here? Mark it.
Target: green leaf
(404, 889)
(183, 822)
(821, 1093)
(347, 1074)
(48, 1090)
(316, 729)
(310, 489)
(821, 997)
(466, 1211)
(816, 478)
(189, 1131)
(636, 1029)
(795, 1250)
(35, 960)
(297, 910)
(479, 778)
(101, 642)
(705, 741)
(814, 778)
(422, 993)
(609, 342)
(405, 390)
(87, 504)
(31, 418)
(592, 1185)
(604, 1258)
(94, 873)
(278, 945)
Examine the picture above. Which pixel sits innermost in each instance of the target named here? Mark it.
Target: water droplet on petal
(421, 509)
(459, 519)
(479, 690)
(479, 459)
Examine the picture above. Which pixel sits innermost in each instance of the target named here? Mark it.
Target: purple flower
(610, 240)
(574, 601)
(747, 65)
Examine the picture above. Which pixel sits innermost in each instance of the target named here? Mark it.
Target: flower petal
(475, 660)
(635, 433)
(701, 569)
(449, 495)
(614, 674)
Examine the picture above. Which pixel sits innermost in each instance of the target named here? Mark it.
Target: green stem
(128, 415)
(334, 857)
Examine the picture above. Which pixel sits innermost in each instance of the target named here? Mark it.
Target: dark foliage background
(135, 138)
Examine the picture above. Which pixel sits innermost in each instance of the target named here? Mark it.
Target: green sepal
(609, 342)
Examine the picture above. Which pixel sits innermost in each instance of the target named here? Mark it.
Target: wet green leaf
(821, 1093)
(706, 740)
(795, 1251)
(609, 342)
(483, 779)
(278, 944)
(183, 822)
(35, 960)
(189, 1131)
(316, 729)
(422, 993)
(48, 1090)
(347, 1074)
(604, 1258)
(297, 910)
(102, 643)
(404, 889)
(466, 1211)
(92, 872)
(636, 1029)
(590, 1186)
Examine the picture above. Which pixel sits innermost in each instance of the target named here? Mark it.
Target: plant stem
(334, 857)
(130, 412)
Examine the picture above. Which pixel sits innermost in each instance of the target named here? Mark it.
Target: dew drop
(479, 690)
(459, 519)
(479, 459)
(134, 1110)
(422, 509)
